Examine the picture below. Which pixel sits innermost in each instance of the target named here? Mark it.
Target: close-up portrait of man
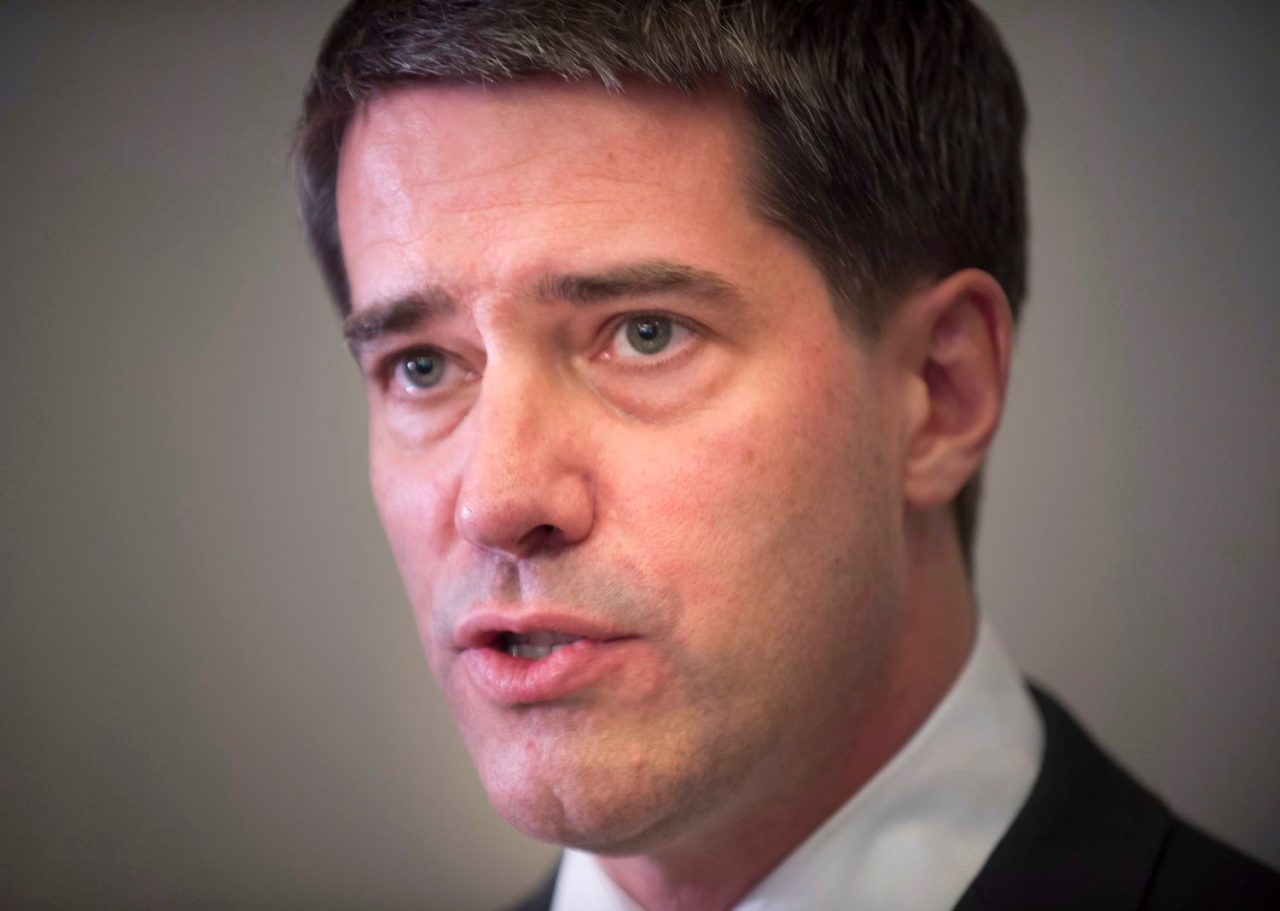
(640, 455)
(685, 329)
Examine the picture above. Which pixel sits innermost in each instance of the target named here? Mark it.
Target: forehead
(559, 116)
(544, 169)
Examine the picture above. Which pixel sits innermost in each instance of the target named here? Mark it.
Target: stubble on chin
(610, 793)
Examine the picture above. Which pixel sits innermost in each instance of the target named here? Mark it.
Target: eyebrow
(404, 314)
(397, 316)
(640, 279)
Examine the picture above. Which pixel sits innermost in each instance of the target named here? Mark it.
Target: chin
(614, 810)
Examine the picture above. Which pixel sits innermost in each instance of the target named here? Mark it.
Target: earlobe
(959, 334)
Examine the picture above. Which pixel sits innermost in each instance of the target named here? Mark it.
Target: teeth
(531, 652)
(545, 638)
(537, 645)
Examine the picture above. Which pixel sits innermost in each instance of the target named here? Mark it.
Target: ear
(951, 343)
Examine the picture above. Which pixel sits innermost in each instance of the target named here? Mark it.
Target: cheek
(415, 500)
(680, 505)
(724, 503)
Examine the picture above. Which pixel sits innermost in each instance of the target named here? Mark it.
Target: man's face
(613, 410)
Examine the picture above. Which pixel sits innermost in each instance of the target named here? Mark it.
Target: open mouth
(542, 658)
(533, 646)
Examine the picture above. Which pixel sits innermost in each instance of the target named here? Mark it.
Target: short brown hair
(889, 132)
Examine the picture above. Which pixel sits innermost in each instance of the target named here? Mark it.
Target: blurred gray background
(211, 686)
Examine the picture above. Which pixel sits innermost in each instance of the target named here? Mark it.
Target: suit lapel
(1088, 836)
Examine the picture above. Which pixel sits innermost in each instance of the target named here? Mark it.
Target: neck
(719, 865)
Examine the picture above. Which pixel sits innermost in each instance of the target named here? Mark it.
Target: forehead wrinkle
(415, 181)
(435, 179)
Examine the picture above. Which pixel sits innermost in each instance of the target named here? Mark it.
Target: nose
(527, 484)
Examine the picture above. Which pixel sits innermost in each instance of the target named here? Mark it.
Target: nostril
(542, 536)
(505, 513)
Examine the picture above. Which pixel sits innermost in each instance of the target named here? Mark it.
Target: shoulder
(1091, 836)
(1197, 871)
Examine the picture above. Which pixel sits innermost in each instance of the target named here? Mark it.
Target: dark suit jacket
(1090, 837)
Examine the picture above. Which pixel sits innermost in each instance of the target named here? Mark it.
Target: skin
(762, 506)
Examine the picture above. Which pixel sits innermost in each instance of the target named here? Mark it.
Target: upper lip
(482, 628)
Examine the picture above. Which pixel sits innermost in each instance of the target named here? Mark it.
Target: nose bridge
(526, 481)
(512, 399)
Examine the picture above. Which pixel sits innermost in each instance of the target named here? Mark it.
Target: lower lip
(508, 680)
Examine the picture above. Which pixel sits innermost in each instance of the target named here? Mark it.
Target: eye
(421, 368)
(646, 336)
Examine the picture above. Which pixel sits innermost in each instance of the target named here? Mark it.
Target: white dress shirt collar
(919, 831)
